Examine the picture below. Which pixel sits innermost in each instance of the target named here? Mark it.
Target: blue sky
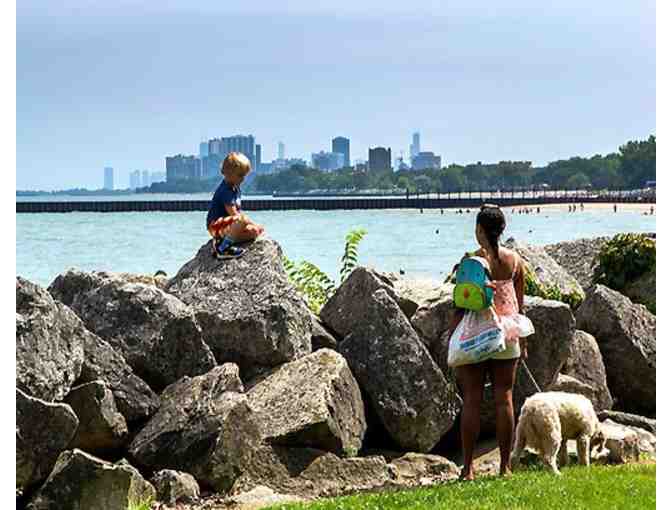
(128, 84)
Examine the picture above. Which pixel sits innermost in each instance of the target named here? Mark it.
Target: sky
(128, 84)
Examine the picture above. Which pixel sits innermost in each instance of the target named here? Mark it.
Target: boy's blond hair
(236, 163)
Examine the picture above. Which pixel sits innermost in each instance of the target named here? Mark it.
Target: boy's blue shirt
(225, 194)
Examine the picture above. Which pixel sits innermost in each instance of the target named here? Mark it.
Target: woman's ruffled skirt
(516, 326)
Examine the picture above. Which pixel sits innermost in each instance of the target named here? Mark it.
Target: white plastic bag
(477, 336)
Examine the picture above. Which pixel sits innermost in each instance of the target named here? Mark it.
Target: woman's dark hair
(492, 221)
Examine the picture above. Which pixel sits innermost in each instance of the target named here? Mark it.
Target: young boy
(225, 223)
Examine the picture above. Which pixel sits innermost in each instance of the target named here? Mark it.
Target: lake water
(143, 242)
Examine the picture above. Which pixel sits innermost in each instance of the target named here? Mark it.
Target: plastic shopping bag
(476, 337)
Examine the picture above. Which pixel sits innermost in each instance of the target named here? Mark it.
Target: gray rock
(204, 427)
(418, 291)
(82, 481)
(249, 311)
(307, 472)
(626, 335)
(547, 271)
(134, 399)
(409, 393)
(260, 497)
(49, 352)
(585, 364)
(346, 309)
(101, 427)
(155, 332)
(320, 338)
(422, 469)
(175, 487)
(432, 321)
(313, 401)
(578, 257)
(43, 431)
(568, 384)
(629, 420)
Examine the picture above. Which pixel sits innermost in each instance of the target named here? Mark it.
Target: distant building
(238, 143)
(424, 160)
(341, 145)
(181, 167)
(211, 166)
(203, 149)
(380, 159)
(415, 146)
(327, 161)
(108, 178)
(285, 164)
(257, 156)
(158, 177)
(146, 179)
(264, 168)
(281, 150)
(134, 180)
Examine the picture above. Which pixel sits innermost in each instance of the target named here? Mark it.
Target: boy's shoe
(225, 249)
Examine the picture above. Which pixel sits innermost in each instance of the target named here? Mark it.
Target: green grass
(608, 487)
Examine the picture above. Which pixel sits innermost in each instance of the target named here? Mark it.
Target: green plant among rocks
(625, 258)
(315, 285)
(534, 287)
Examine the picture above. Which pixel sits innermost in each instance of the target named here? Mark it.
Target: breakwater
(319, 204)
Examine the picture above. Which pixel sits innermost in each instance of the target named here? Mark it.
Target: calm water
(143, 242)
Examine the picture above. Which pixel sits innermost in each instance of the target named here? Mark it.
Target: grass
(601, 487)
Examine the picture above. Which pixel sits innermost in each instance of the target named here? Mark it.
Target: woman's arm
(519, 285)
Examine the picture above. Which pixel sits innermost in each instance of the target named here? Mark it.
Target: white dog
(549, 419)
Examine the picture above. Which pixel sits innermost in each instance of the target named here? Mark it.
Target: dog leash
(531, 376)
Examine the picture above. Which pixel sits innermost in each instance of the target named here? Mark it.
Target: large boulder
(80, 480)
(546, 270)
(626, 334)
(101, 427)
(43, 431)
(578, 257)
(313, 401)
(621, 442)
(568, 384)
(249, 311)
(320, 337)
(407, 389)
(347, 307)
(134, 399)
(585, 364)
(49, 351)
(629, 420)
(204, 427)
(422, 469)
(155, 332)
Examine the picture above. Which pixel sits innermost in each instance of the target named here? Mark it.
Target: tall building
(341, 145)
(415, 146)
(424, 160)
(158, 177)
(211, 165)
(145, 179)
(203, 149)
(181, 167)
(327, 161)
(134, 180)
(284, 164)
(281, 150)
(257, 156)
(380, 159)
(108, 178)
(237, 143)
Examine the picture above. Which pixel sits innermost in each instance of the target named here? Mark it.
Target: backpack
(470, 291)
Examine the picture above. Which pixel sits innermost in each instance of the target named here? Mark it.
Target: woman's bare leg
(504, 375)
(471, 379)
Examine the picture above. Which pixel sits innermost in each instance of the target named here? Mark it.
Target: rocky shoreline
(219, 385)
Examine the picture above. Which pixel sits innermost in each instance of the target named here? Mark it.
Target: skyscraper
(134, 180)
(415, 146)
(257, 156)
(108, 178)
(425, 160)
(341, 145)
(327, 161)
(238, 143)
(380, 159)
(145, 179)
(281, 150)
(182, 167)
(203, 149)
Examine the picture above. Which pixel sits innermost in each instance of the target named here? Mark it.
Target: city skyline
(480, 81)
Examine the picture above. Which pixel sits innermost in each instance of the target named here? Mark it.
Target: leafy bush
(534, 287)
(625, 258)
(315, 284)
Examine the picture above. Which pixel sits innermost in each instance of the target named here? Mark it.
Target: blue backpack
(470, 291)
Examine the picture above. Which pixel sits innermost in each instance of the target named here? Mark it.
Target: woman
(507, 271)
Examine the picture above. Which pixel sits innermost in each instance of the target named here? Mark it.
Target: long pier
(324, 204)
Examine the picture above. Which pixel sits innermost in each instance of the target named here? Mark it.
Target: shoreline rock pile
(221, 380)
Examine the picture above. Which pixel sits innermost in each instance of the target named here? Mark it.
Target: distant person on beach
(508, 282)
(225, 222)
(615, 208)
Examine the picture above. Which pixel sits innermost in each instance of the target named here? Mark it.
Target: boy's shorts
(220, 227)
